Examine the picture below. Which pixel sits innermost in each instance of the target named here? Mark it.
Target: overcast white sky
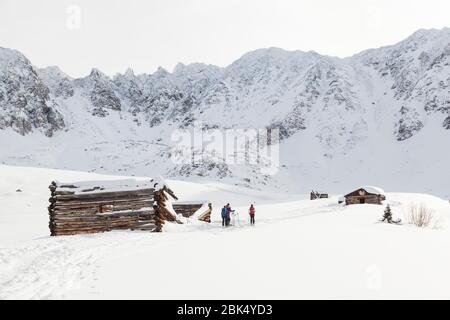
(113, 35)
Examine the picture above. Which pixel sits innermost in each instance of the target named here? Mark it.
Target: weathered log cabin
(365, 195)
(94, 207)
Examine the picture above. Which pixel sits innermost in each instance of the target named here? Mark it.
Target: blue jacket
(224, 212)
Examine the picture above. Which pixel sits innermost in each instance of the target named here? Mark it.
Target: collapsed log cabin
(200, 210)
(94, 207)
(315, 195)
(365, 195)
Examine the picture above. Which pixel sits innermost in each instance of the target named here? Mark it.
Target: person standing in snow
(224, 216)
(252, 212)
(228, 214)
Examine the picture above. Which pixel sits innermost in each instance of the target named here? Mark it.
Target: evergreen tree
(388, 216)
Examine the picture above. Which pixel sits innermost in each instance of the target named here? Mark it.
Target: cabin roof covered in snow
(369, 189)
(92, 187)
(374, 190)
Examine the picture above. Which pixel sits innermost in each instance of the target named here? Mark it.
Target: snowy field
(298, 249)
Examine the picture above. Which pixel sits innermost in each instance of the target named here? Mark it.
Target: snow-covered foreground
(298, 249)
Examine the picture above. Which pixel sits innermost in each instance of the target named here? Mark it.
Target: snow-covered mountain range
(379, 117)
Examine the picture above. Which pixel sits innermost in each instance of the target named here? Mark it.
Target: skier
(228, 220)
(252, 212)
(224, 216)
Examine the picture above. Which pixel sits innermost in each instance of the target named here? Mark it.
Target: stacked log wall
(95, 212)
(187, 210)
(368, 199)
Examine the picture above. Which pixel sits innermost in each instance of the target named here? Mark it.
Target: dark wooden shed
(365, 195)
(198, 209)
(315, 195)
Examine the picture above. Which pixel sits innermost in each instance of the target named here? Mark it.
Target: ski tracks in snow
(48, 268)
(44, 270)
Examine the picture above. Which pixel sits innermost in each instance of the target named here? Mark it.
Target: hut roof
(93, 187)
(374, 190)
(369, 189)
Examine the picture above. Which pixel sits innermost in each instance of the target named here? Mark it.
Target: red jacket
(252, 211)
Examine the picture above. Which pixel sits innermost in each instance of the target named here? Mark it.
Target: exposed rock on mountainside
(101, 92)
(25, 101)
(60, 85)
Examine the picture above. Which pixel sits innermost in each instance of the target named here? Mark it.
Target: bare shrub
(419, 215)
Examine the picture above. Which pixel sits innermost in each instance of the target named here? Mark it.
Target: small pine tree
(388, 216)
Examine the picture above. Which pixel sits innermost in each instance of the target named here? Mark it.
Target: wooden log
(84, 211)
(66, 186)
(90, 229)
(79, 226)
(78, 220)
(89, 214)
(57, 218)
(139, 204)
(99, 210)
(188, 206)
(76, 232)
(63, 218)
(63, 193)
(109, 225)
(91, 211)
(146, 228)
(104, 227)
(170, 192)
(103, 208)
(97, 219)
(102, 199)
(101, 195)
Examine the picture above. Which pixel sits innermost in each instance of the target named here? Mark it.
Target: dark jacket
(228, 212)
(224, 212)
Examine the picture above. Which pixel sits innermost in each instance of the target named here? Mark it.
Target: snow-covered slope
(417, 72)
(298, 248)
(380, 117)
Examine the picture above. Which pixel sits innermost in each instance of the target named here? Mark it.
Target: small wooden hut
(315, 195)
(365, 195)
(93, 207)
(200, 210)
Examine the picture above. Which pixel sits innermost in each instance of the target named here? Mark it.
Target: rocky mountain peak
(294, 90)
(25, 100)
